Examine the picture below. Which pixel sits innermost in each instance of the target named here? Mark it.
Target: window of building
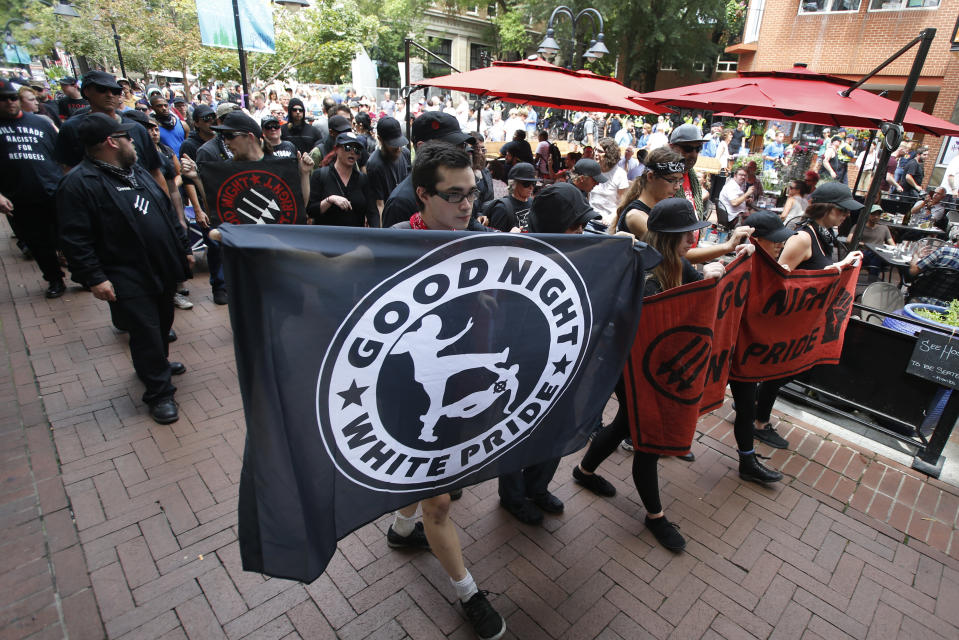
(727, 62)
(444, 49)
(828, 6)
(491, 11)
(667, 66)
(699, 66)
(479, 56)
(472, 10)
(898, 5)
(754, 18)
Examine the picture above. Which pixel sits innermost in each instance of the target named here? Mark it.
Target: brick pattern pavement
(113, 526)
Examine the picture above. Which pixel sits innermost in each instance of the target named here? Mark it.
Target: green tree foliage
(512, 37)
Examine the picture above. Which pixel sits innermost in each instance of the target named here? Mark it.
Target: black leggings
(645, 465)
(754, 401)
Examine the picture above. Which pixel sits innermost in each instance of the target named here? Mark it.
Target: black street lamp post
(596, 49)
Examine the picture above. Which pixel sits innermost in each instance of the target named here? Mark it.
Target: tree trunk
(185, 70)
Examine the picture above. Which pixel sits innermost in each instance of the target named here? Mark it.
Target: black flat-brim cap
(835, 193)
(239, 121)
(97, 127)
(769, 226)
(674, 215)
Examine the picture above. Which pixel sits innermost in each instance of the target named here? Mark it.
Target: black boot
(750, 468)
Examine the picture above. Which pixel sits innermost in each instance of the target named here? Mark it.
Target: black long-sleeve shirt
(326, 182)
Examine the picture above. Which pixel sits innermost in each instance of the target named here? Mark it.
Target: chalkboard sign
(936, 357)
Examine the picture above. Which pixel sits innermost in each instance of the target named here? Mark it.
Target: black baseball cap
(348, 138)
(238, 121)
(7, 88)
(558, 208)
(390, 133)
(522, 171)
(138, 116)
(674, 215)
(201, 111)
(835, 193)
(100, 79)
(97, 127)
(591, 168)
(339, 124)
(271, 119)
(769, 226)
(67, 80)
(436, 125)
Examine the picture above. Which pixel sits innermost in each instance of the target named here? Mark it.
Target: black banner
(263, 192)
(380, 367)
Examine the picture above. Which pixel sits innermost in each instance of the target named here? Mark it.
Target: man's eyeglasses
(455, 197)
(689, 148)
(210, 117)
(100, 89)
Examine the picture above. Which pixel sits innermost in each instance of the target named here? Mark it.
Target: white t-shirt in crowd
(657, 139)
(730, 192)
(605, 196)
(952, 169)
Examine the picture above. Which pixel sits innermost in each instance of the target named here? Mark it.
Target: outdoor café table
(888, 255)
(899, 229)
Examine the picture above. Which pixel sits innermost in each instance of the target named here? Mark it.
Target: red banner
(793, 320)
(679, 364)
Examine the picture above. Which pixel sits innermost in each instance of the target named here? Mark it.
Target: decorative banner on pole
(256, 23)
(266, 191)
(793, 321)
(379, 367)
(679, 364)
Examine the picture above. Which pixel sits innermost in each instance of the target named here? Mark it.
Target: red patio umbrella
(539, 83)
(798, 95)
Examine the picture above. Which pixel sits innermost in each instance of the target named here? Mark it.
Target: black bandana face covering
(665, 168)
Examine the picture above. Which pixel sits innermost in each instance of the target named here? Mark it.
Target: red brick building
(849, 38)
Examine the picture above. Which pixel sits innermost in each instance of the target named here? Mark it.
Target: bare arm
(798, 248)
(699, 255)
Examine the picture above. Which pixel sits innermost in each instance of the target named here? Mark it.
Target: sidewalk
(113, 526)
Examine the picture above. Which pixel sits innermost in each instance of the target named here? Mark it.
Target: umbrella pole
(409, 99)
(924, 44)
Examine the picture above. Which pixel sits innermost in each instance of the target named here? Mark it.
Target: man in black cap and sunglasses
(72, 101)
(432, 125)
(102, 91)
(28, 181)
(122, 239)
(390, 163)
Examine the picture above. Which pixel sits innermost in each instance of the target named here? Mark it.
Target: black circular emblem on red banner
(256, 197)
(676, 361)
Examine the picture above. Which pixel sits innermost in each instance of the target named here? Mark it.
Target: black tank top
(819, 259)
(635, 204)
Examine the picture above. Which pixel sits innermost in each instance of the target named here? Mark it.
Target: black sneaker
(667, 533)
(688, 457)
(220, 297)
(486, 622)
(597, 484)
(416, 540)
(750, 468)
(456, 494)
(524, 511)
(549, 503)
(56, 289)
(768, 435)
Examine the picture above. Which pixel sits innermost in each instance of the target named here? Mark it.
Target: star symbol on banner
(352, 395)
(255, 179)
(560, 365)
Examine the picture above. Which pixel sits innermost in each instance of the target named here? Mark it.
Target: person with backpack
(511, 210)
(543, 155)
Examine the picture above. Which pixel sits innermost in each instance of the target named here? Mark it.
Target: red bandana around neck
(416, 221)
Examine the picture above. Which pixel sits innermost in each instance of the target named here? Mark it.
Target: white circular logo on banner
(451, 362)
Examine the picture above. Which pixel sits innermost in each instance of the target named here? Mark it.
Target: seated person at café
(946, 256)
(931, 207)
(873, 233)
(735, 195)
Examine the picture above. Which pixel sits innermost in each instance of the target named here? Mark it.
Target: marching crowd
(109, 178)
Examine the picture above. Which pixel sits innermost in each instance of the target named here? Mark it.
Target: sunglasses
(689, 148)
(296, 110)
(527, 183)
(353, 148)
(456, 197)
(271, 127)
(10, 97)
(100, 89)
(210, 117)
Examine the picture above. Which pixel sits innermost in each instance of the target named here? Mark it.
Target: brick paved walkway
(113, 526)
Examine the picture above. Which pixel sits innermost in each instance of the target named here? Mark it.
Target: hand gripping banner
(679, 364)
(379, 367)
(266, 191)
(793, 321)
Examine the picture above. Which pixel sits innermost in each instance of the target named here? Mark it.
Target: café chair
(927, 245)
(883, 296)
(935, 286)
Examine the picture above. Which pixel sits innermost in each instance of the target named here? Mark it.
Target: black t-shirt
(507, 212)
(520, 150)
(737, 141)
(284, 150)
(401, 204)
(191, 145)
(652, 286)
(384, 174)
(28, 172)
(484, 182)
(213, 150)
(69, 106)
(70, 151)
(914, 169)
(304, 137)
(326, 182)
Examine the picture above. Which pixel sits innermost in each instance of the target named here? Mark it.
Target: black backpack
(579, 129)
(555, 158)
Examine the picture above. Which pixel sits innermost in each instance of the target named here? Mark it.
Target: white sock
(465, 588)
(402, 525)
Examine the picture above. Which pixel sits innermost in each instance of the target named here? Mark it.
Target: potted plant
(945, 317)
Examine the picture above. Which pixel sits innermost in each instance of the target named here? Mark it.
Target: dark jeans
(645, 465)
(872, 262)
(530, 482)
(148, 320)
(36, 226)
(214, 259)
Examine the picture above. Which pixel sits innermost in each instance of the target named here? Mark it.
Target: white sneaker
(180, 302)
